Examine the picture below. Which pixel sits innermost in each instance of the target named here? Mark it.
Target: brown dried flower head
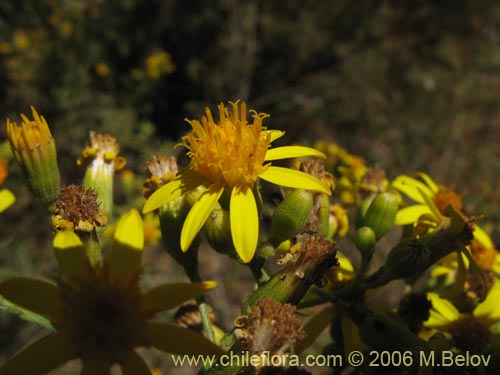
(161, 170)
(77, 209)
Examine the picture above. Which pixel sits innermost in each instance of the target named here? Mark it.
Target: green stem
(194, 276)
(25, 314)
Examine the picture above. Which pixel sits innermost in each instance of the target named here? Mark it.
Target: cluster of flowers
(97, 311)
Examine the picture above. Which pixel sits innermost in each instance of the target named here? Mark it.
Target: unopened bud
(365, 241)
(217, 230)
(290, 217)
(407, 259)
(35, 151)
(382, 213)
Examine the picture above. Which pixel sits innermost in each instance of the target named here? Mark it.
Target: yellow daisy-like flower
(468, 331)
(231, 156)
(6, 197)
(431, 198)
(99, 312)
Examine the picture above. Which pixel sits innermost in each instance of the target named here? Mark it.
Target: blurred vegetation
(409, 85)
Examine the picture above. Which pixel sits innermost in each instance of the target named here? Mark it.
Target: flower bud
(217, 230)
(407, 259)
(35, 151)
(365, 241)
(291, 216)
(381, 214)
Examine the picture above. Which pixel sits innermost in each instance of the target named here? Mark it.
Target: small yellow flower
(231, 156)
(158, 64)
(34, 149)
(102, 69)
(432, 199)
(468, 331)
(99, 312)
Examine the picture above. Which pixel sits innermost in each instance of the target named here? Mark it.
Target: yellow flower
(99, 312)
(432, 199)
(468, 331)
(158, 64)
(102, 69)
(231, 156)
(6, 197)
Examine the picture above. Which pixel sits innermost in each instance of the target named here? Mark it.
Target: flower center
(446, 197)
(470, 334)
(101, 314)
(231, 152)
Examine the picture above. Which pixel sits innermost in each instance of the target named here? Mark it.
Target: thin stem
(194, 276)
(25, 314)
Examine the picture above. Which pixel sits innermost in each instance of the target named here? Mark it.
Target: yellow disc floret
(231, 152)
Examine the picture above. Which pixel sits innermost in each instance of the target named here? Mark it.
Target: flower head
(77, 209)
(99, 312)
(231, 156)
(101, 159)
(431, 201)
(35, 150)
(468, 331)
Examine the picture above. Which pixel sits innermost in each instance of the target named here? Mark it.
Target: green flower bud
(172, 216)
(35, 151)
(365, 241)
(407, 259)
(291, 216)
(217, 230)
(382, 213)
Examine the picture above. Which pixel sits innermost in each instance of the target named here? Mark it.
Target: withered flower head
(270, 327)
(77, 209)
(161, 170)
(104, 148)
(189, 316)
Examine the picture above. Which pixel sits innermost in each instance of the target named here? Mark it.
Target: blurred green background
(408, 85)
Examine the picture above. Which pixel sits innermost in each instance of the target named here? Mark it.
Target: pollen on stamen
(231, 151)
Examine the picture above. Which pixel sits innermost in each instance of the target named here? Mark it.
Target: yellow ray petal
(6, 199)
(410, 214)
(409, 186)
(429, 181)
(199, 214)
(40, 357)
(133, 364)
(184, 182)
(69, 252)
(294, 179)
(35, 295)
(274, 134)
(244, 220)
(442, 313)
(483, 237)
(292, 152)
(489, 310)
(128, 242)
(179, 340)
(166, 296)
